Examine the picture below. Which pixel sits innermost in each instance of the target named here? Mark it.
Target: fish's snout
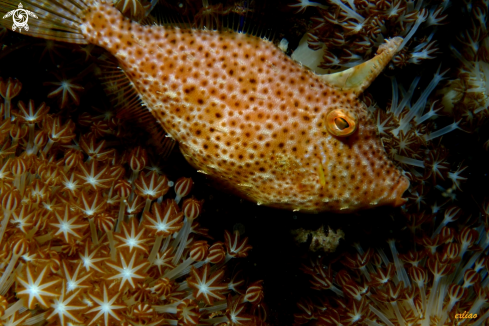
(399, 190)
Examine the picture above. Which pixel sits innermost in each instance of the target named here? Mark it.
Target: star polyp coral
(471, 278)
(164, 219)
(10, 200)
(23, 217)
(95, 149)
(208, 16)
(66, 308)
(94, 175)
(137, 161)
(16, 318)
(134, 237)
(35, 287)
(105, 222)
(422, 287)
(31, 115)
(216, 254)
(163, 287)
(207, 286)
(71, 184)
(143, 312)
(133, 9)
(107, 306)
(67, 90)
(182, 187)
(151, 186)
(64, 258)
(188, 313)
(235, 246)
(76, 278)
(69, 224)
(144, 293)
(254, 293)
(128, 269)
(58, 132)
(161, 262)
(90, 258)
(236, 312)
(382, 276)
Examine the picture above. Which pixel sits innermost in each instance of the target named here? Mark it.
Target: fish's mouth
(399, 190)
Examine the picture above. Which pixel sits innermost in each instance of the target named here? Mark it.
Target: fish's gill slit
(323, 160)
(320, 170)
(322, 151)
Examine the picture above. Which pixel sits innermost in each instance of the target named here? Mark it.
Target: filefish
(245, 114)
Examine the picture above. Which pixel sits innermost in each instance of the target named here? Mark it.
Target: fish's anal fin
(358, 78)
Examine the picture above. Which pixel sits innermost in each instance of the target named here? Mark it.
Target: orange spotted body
(251, 118)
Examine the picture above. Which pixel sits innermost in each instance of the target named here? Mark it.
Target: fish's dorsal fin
(358, 78)
(247, 18)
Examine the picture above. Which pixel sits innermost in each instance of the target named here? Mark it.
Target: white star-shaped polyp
(15, 320)
(67, 226)
(127, 272)
(49, 207)
(73, 280)
(70, 185)
(203, 288)
(105, 307)
(89, 262)
(149, 192)
(91, 180)
(158, 262)
(162, 227)
(61, 307)
(71, 286)
(36, 289)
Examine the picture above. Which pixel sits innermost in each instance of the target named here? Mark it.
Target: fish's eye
(341, 123)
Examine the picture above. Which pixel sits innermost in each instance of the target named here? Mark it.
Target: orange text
(465, 315)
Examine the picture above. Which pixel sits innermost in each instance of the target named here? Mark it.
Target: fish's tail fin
(58, 20)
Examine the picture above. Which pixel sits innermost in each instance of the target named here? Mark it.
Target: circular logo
(20, 17)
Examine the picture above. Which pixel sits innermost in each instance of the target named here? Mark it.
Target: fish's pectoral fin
(358, 78)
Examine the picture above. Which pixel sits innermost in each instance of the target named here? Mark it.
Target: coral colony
(90, 235)
(94, 231)
(441, 280)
